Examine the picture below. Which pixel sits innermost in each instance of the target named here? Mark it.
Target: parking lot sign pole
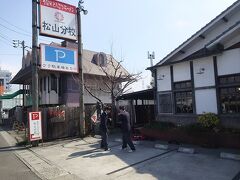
(34, 59)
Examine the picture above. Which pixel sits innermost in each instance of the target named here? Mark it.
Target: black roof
(142, 95)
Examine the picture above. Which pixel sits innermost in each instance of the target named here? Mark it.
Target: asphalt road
(11, 168)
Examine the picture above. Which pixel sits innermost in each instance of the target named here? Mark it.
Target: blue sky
(129, 27)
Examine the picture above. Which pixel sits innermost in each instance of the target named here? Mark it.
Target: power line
(10, 54)
(6, 41)
(4, 37)
(14, 25)
(14, 30)
(29, 35)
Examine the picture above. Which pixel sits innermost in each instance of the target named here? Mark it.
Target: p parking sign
(58, 58)
(35, 126)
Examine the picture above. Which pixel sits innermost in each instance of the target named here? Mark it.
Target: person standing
(124, 118)
(104, 128)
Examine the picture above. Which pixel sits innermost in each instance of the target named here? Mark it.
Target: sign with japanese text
(35, 126)
(56, 115)
(58, 19)
(58, 58)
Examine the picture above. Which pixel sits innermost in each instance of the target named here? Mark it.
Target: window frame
(227, 86)
(170, 104)
(185, 89)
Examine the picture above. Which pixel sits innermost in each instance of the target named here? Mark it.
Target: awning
(22, 76)
(10, 96)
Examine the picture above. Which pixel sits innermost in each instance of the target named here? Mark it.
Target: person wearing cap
(104, 128)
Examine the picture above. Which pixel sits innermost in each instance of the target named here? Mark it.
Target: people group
(124, 118)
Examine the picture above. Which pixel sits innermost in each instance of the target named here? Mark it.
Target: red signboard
(35, 126)
(59, 5)
(58, 19)
(35, 116)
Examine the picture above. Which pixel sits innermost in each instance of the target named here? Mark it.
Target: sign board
(56, 115)
(35, 126)
(58, 58)
(94, 117)
(58, 19)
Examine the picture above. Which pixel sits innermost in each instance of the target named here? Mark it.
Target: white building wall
(181, 72)
(206, 78)
(206, 101)
(229, 62)
(163, 78)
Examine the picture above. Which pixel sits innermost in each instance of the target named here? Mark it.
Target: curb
(186, 150)
(161, 146)
(118, 140)
(230, 156)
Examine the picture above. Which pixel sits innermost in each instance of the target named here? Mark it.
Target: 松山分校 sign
(58, 58)
(35, 126)
(58, 19)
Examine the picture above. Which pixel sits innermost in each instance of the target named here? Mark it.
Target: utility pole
(34, 57)
(81, 80)
(34, 61)
(16, 44)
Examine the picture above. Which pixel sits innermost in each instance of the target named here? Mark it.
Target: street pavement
(82, 159)
(11, 168)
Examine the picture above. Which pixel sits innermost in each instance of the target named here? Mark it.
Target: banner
(58, 19)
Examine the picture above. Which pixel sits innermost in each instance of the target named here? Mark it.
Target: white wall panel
(181, 72)
(203, 71)
(163, 78)
(206, 101)
(229, 62)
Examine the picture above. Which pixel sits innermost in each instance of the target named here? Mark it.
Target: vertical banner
(58, 19)
(35, 126)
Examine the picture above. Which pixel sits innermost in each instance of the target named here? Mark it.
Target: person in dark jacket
(104, 128)
(124, 118)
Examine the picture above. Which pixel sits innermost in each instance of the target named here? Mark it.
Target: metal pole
(23, 47)
(81, 81)
(34, 57)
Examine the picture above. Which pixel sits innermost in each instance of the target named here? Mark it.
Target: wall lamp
(201, 71)
(161, 77)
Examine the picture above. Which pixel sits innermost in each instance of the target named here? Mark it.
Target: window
(74, 84)
(40, 85)
(229, 80)
(230, 99)
(184, 102)
(229, 92)
(165, 103)
(100, 59)
(183, 97)
(60, 85)
(44, 83)
(182, 85)
(53, 83)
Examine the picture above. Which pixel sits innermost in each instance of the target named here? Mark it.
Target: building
(202, 74)
(5, 77)
(60, 88)
(59, 92)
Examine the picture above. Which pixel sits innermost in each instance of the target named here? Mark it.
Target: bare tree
(117, 82)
